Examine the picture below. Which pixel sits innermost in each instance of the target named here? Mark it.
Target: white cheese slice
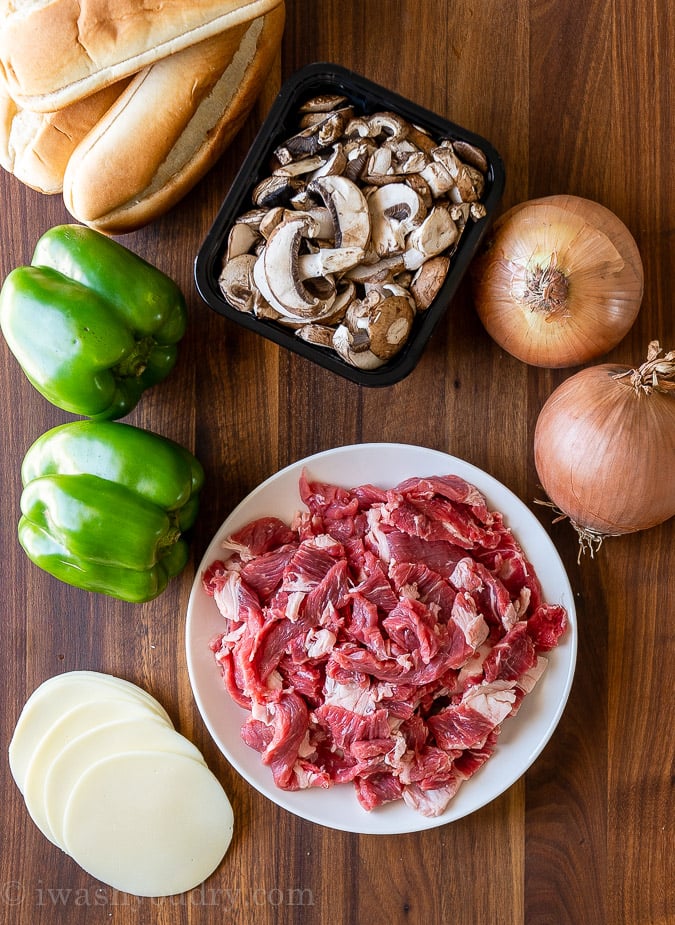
(72, 723)
(148, 823)
(54, 697)
(102, 741)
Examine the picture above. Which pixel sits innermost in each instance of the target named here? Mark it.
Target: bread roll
(54, 52)
(169, 127)
(36, 146)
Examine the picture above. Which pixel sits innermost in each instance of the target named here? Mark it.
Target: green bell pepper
(92, 324)
(105, 506)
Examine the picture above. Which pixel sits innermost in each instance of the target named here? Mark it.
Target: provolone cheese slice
(103, 741)
(73, 723)
(54, 697)
(148, 823)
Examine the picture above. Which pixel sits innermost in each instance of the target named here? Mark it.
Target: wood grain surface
(578, 98)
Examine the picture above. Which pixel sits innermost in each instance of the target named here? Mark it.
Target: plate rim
(372, 823)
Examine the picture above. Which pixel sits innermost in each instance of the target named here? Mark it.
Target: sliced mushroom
(395, 210)
(389, 325)
(275, 190)
(376, 271)
(438, 178)
(471, 155)
(374, 330)
(319, 334)
(334, 163)
(297, 168)
(436, 233)
(312, 139)
(241, 240)
(277, 268)
(360, 356)
(387, 124)
(428, 280)
(324, 102)
(236, 282)
(316, 213)
(328, 260)
(348, 208)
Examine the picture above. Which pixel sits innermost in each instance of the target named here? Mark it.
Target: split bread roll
(54, 52)
(169, 126)
(36, 146)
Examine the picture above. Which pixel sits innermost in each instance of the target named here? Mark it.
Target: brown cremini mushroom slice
(323, 102)
(236, 282)
(374, 330)
(314, 138)
(275, 190)
(428, 280)
(471, 155)
(321, 335)
(334, 163)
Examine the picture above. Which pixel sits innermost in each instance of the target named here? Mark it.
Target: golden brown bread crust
(36, 146)
(168, 128)
(54, 52)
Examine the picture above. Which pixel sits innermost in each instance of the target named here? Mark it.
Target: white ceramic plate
(523, 736)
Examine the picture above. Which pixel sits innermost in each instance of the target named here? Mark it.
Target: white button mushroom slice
(348, 208)
(51, 699)
(395, 210)
(236, 282)
(436, 233)
(101, 741)
(148, 823)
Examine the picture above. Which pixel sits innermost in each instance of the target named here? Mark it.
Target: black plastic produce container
(280, 124)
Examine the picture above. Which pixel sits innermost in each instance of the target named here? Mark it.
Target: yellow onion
(559, 282)
(604, 447)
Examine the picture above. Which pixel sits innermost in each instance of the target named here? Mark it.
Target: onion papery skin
(559, 281)
(605, 452)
